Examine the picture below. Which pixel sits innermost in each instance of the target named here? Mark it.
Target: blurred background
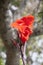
(17, 9)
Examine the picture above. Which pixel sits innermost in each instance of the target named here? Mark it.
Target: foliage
(1, 61)
(16, 2)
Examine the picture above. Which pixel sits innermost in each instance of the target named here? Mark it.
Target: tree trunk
(12, 57)
(12, 53)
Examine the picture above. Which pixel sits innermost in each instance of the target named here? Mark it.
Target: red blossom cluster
(24, 27)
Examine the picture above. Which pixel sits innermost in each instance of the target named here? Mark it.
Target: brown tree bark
(12, 57)
(12, 53)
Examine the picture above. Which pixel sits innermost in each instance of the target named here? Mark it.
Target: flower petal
(17, 24)
(28, 20)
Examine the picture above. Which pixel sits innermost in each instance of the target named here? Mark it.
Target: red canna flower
(24, 26)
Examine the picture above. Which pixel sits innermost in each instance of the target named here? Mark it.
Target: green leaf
(40, 14)
(1, 61)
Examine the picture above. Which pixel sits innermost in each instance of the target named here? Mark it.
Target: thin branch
(37, 8)
(23, 4)
(22, 54)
